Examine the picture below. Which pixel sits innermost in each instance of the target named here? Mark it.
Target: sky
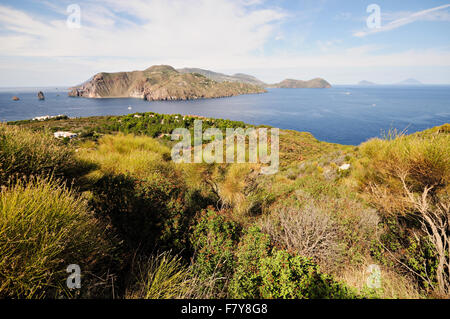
(63, 43)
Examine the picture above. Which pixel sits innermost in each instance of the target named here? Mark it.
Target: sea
(343, 114)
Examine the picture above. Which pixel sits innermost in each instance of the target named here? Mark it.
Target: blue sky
(272, 40)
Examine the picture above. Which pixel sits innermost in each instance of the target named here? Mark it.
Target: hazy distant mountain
(366, 83)
(248, 79)
(160, 82)
(409, 82)
(317, 83)
(220, 77)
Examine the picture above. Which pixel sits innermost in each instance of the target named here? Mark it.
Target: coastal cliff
(158, 83)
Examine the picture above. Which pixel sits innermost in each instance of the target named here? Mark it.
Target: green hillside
(142, 226)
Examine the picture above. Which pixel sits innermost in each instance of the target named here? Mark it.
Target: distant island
(404, 82)
(409, 82)
(317, 83)
(220, 77)
(160, 82)
(249, 79)
(163, 82)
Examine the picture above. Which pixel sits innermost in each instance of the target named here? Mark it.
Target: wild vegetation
(141, 226)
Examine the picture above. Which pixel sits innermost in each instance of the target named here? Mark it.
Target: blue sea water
(342, 114)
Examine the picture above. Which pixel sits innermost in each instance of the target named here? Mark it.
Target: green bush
(214, 239)
(269, 273)
(145, 212)
(247, 280)
(43, 229)
(284, 276)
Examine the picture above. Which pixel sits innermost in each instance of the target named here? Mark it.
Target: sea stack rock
(15, 98)
(41, 96)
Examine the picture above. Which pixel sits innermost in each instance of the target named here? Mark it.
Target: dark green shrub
(145, 212)
(214, 239)
(247, 280)
(285, 276)
(265, 272)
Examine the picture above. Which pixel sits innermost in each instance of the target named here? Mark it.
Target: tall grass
(139, 156)
(407, 178)
(26, 153)
(423, 160)
(165, 276)
(43, 229)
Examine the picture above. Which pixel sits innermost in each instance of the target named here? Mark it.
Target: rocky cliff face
(159, 83)
(317, 83)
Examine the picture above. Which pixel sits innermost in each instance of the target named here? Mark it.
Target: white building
(61, 134)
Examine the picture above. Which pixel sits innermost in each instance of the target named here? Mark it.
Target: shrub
(284, 276)
(247, 280)
(308, 231)
(43, 229)
(145, 212)
(214, 239)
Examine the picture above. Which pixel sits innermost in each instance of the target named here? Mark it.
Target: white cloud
(167, 28)
(220, 35)
(432, 14)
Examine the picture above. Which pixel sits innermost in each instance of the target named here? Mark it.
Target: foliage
(159, 277)
(44, 228)
(214, 239)
(246, 280)
(25, 153)
(295, 277)
(407, 180)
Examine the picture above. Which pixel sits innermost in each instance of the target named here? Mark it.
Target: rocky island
(160, 82)
(317, 83)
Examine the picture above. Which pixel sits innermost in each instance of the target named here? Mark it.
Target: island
(409, 82)
(317, 83)
(160, 82)
(220, 77)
